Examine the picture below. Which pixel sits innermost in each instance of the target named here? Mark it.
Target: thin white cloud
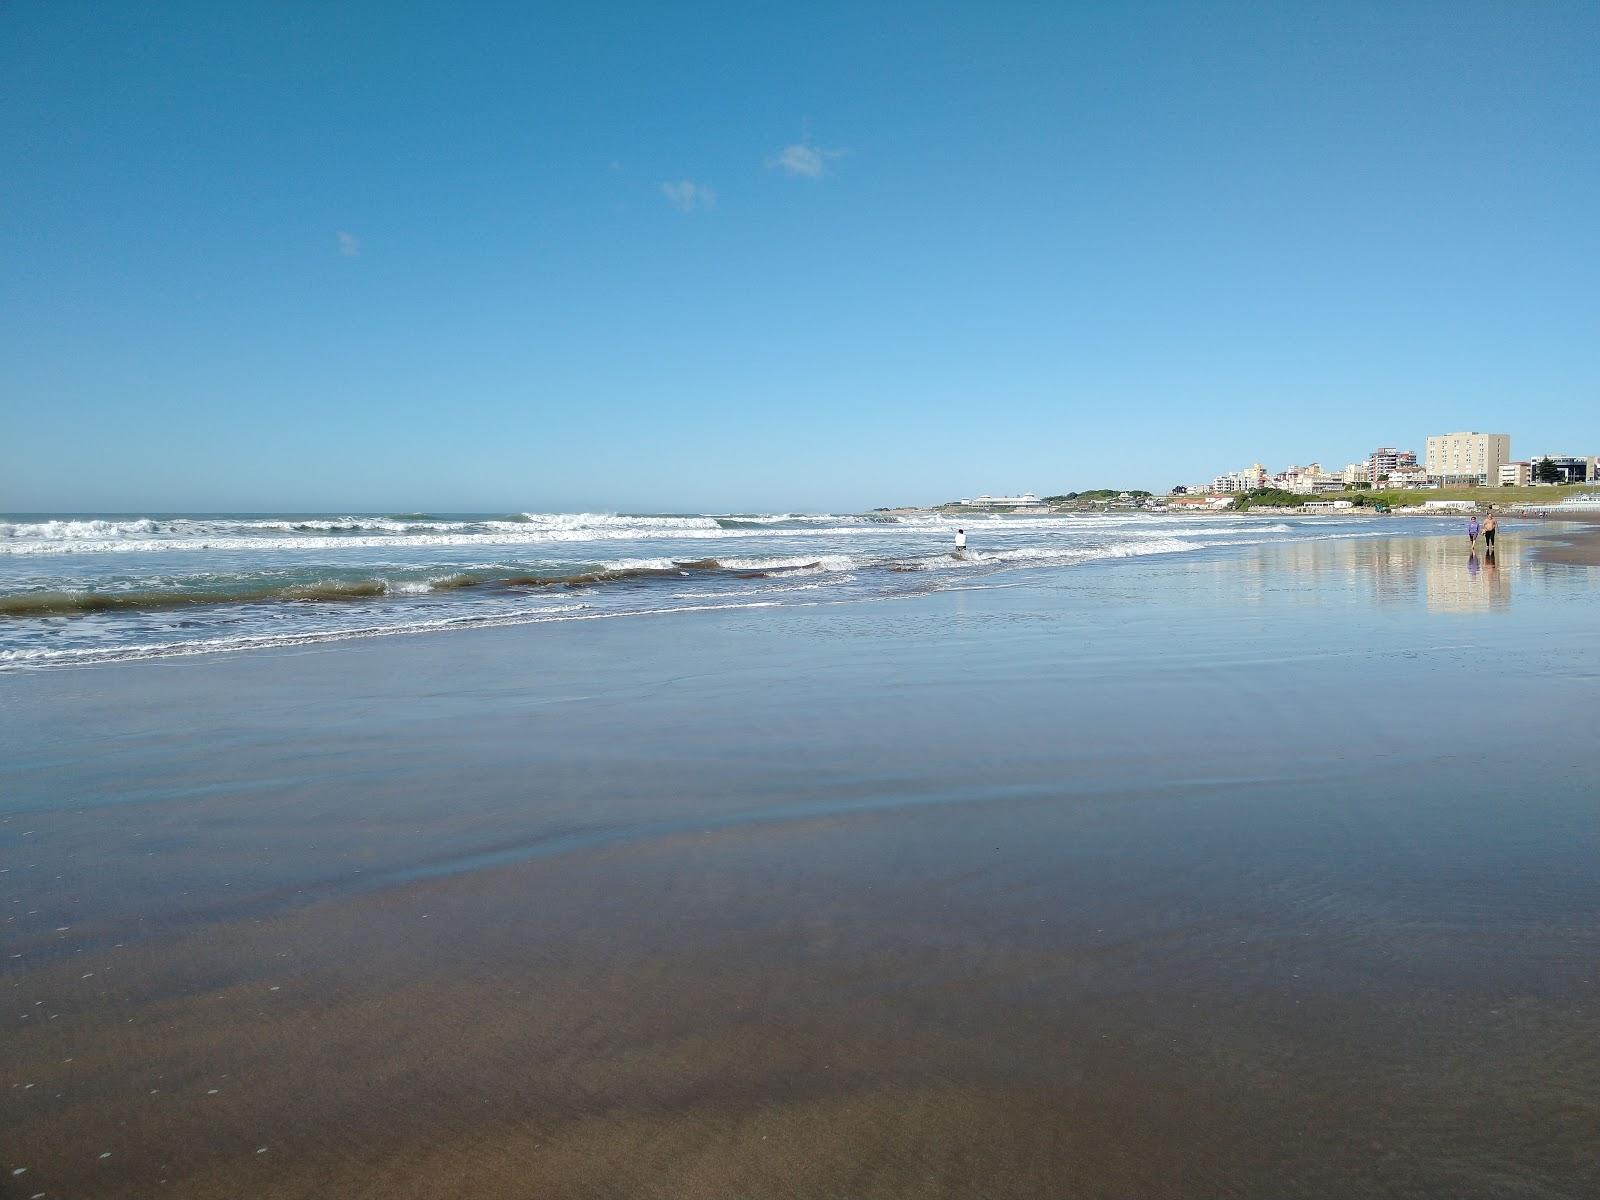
(687, 196)
(349, 245)
(802, 160)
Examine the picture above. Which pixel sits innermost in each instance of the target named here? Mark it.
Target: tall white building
(1474, 458)
(1247, 480)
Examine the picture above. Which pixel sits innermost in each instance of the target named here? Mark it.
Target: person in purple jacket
(1473, 530)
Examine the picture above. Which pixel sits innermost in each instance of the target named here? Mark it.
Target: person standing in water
(961, 541)
(1490, 527)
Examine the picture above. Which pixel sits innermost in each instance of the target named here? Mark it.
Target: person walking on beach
(1490, 526)
(1472, 533)
(961, 542)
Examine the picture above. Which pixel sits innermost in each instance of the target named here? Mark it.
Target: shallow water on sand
(1268, 873)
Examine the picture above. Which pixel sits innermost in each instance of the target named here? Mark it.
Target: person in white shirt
(961, 541)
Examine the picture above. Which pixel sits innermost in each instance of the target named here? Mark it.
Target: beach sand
(1271, 872)
(1573, 542)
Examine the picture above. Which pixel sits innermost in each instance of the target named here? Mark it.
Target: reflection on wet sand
(1103, 888)
(1442, 573)
(1468, 583)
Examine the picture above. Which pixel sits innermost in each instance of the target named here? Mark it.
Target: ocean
(83, 588)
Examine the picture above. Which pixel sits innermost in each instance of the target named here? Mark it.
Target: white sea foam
(77, 530)
(1063, 554)
(778, 587)
(199, 584)
(92, 656)
(639, 564)
(791, 564)
(503, 534)
(614, 521)
(151, 534)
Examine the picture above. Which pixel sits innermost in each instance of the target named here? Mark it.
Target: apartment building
(1385, 461)
(1408, 477)
(1468, 457)
(1247, 480)
(1516, 474)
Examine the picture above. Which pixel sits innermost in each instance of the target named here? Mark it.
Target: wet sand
(1573, 542)
(1268, 873)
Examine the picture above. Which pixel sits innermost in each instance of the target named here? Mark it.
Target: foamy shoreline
(99, 589)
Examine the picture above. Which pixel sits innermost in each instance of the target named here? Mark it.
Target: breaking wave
(62, 602)
(166, 534)
(50, 602)
(95, 588)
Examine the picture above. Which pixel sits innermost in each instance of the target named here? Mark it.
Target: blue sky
(493, 257)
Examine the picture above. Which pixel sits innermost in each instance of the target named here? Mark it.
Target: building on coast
(1408, 477)
(1017, 503)
(1569, 468)
(1467, 458)
(1310, 480)
(1383, 462)
(1516, 474)
(1247, 480)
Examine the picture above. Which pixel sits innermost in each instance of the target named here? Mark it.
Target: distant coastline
(1533, 501)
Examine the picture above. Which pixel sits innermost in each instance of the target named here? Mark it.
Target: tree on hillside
(1269, 497)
